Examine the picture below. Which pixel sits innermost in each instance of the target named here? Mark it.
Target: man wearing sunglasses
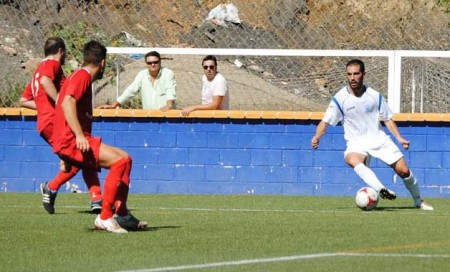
(156, 84)
(214, 89)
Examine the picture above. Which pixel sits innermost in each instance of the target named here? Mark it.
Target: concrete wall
(226, 156)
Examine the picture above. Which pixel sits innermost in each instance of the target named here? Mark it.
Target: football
(366, 198)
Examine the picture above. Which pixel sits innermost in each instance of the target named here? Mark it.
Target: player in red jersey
(40, 94)
(73, 142)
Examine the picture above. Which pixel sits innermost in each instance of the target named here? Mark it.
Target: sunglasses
(211, 67)
(152, 62)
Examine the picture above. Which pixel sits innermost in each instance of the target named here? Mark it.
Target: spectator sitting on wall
(214, 88)
(157, 86)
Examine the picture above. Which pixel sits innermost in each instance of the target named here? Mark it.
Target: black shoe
(387, 194)
(129, 222)
(96, 207)
(48, 198)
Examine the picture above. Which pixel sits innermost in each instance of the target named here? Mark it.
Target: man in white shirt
(214, 89)
(360, 109)
(157, 86)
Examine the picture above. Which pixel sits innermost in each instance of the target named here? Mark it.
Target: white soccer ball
(366, 198)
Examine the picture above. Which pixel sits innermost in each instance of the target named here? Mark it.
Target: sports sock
(120, 204)
(112, 184)
(122, 194)
(369, 177)
(413, 187)
(92, 181)
(61, 178)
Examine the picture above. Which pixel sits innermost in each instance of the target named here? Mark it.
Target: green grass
(192, 230)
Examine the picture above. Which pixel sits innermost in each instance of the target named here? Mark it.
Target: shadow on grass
(96, 211)
(88, 212)
(156, 228)
(162, 227)
(394, 208)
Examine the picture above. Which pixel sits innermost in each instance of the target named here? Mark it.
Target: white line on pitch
(231, 210)
(248, 210)
(194, 209)
(284, 259)
(381, 212)
(40, 206)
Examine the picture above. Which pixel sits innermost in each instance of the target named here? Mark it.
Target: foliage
(77, 35)
(11, 91)
(134, 103)
(445, 4)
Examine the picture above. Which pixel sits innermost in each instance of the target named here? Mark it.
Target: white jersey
(216, 87)
(360, 116)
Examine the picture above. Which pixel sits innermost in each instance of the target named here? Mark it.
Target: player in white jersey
(360, 109)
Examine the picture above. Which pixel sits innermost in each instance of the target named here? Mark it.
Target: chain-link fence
(263, 82)
(425, 86)
(284, 83)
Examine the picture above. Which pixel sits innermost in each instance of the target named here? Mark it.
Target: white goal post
(394, 82)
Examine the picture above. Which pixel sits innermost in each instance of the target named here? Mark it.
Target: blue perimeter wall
(226, 156)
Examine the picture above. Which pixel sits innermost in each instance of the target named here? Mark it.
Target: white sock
(413, 187)
(369, 177)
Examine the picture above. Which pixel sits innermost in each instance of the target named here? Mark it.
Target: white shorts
(384, 149)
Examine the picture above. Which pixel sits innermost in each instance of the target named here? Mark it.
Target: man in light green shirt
(157, 86)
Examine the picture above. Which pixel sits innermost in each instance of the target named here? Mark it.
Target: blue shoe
(48, 198)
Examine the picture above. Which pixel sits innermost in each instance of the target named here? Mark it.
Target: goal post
(439, 91)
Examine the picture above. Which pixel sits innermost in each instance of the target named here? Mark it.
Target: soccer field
(226, 233)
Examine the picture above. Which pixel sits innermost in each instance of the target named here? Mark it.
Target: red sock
(122, 194)
(121, 202)
(62, 178)
(112, 184)
(92, 181)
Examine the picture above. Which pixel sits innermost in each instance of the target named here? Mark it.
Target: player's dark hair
(152, 54)
(93, 53)
(357, 62)
(210, 57)
(52, 45)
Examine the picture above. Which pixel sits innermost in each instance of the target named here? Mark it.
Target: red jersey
(28, 93)
(79, 86)
(45, 106)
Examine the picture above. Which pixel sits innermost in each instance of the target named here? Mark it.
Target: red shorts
(88, 159)
(47, 133)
